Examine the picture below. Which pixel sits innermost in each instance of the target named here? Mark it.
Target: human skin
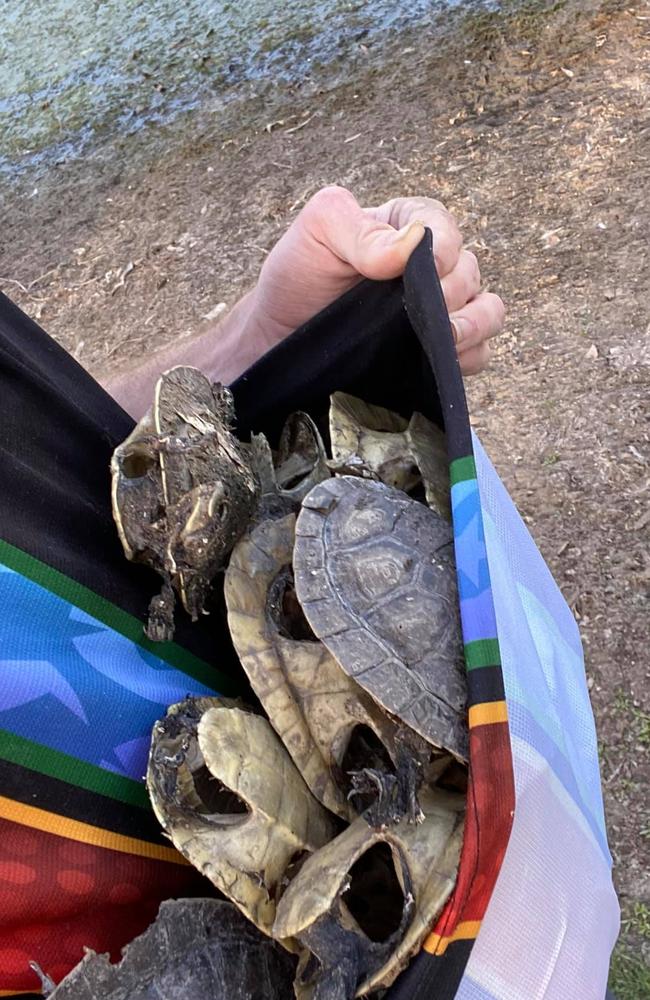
(332, 245)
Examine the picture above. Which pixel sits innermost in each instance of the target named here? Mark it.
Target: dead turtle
(232, 801)
(184, 489)
(376, 443)
(342, 742)
(195, 949)
(364, 903)
(375, 576)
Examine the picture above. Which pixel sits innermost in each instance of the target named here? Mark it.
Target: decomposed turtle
(196, 948)
(329, 725)
(364, 903)
(374, 442)
(184, 489)
(229, 796)
(374, 573)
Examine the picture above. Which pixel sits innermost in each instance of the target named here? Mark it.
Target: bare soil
(535, 131)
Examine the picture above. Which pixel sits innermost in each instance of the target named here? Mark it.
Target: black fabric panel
(362, 344)
(485, 684)
(427, 311)
(431, 977)
(41, 790)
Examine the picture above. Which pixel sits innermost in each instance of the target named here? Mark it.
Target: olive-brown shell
(375, 575)
(365, 902)
(312, 703)
(229, 796)
(371, 440)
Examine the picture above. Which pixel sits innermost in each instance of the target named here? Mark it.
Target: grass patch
(638, 921)
(629, 976)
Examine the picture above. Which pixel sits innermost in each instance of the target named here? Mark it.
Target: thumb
(373, 249)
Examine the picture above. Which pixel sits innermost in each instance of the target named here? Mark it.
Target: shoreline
(535, 132)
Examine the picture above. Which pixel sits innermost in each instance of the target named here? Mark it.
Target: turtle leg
(379, 789)
(160, 623)
(337, 978)
(387, 788)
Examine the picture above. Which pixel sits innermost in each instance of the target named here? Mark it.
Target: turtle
(233, 803)
(375, 576)
(376, 443)
(184, 488)
(363, 904)
(329, 724)
(196, 948)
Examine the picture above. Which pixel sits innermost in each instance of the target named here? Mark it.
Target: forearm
(223, 352)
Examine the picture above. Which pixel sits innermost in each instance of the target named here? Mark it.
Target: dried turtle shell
(372, 441)
(301, 460)
(195, 949)
(229, 796)
(318, 711)
(288, 475)
(375, 575)
(183, 490)
(365, 902)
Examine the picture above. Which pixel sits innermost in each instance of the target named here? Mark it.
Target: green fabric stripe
(482, 653)
(112, 616)
(462, 469)
(56, 764)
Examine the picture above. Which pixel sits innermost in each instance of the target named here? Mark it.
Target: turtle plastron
(364, 903)
(230, 798)
(311, 702)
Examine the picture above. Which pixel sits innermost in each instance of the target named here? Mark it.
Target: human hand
(334, 243)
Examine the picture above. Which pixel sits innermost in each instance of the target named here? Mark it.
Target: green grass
(642, 720)
(637, 921)
(629, 977)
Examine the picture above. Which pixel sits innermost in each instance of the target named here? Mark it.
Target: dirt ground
(536, 133)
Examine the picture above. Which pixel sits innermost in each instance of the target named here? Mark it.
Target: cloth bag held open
(534, 914)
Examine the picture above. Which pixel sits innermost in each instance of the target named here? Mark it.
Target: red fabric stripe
(490, 810)
(58, 895)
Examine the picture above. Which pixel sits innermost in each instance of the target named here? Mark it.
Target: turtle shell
(233, 803)
(364, 903)
(375, 575)
(314, 706)
(195, 948)
(375, 443)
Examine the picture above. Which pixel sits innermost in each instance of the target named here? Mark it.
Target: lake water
(74, 71)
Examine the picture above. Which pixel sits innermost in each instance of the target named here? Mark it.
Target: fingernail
(412, 233)
(460, 328)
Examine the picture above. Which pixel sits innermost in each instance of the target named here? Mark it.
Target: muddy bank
(535, 130)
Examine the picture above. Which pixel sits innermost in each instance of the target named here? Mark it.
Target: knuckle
(332, 198)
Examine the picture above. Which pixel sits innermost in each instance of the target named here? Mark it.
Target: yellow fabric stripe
(487, 713)
(15, 993)
(61, 826)
(435, 944)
